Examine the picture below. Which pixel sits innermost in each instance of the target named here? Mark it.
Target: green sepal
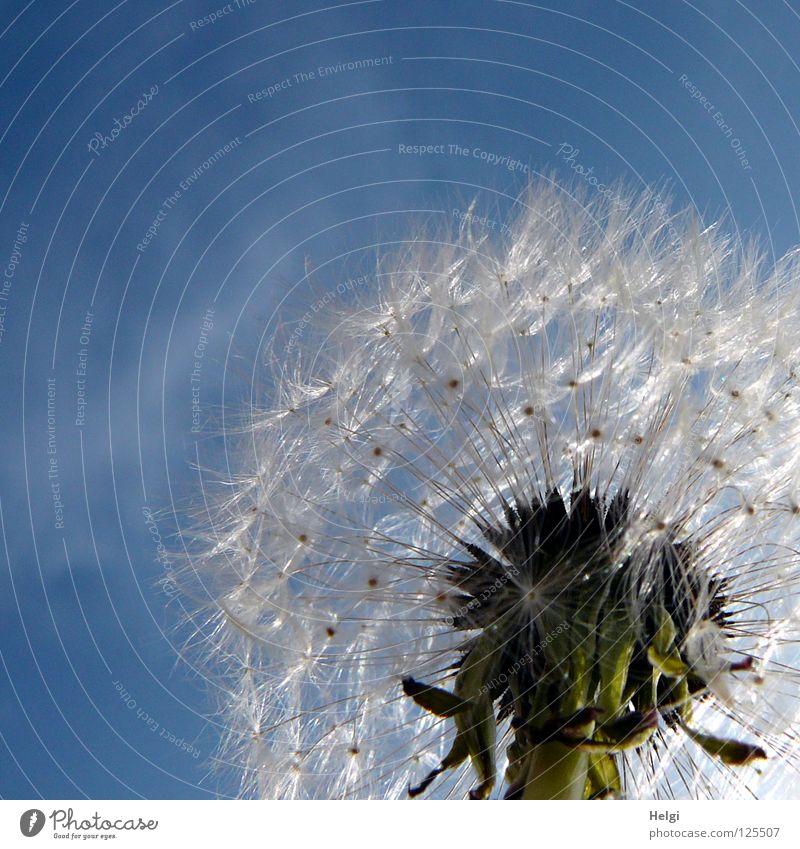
(615, 646)
(457, 755)
(478, 728)
(666, 632)
(575, 726)
(730, 752)
(480, 665)
(627, 732)
(478, 725)
(434, 699)
(669, 665)
(470, 707)
(630, 725)
(602, 779)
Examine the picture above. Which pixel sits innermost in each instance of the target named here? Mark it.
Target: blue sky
(169, 174)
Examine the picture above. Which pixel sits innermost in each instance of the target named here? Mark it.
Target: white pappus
(521, 520)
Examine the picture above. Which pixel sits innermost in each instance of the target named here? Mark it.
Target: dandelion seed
(569, 572)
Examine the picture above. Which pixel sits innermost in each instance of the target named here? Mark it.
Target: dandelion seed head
(596, 417)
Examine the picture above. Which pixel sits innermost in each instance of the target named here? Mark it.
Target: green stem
(556, 771)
